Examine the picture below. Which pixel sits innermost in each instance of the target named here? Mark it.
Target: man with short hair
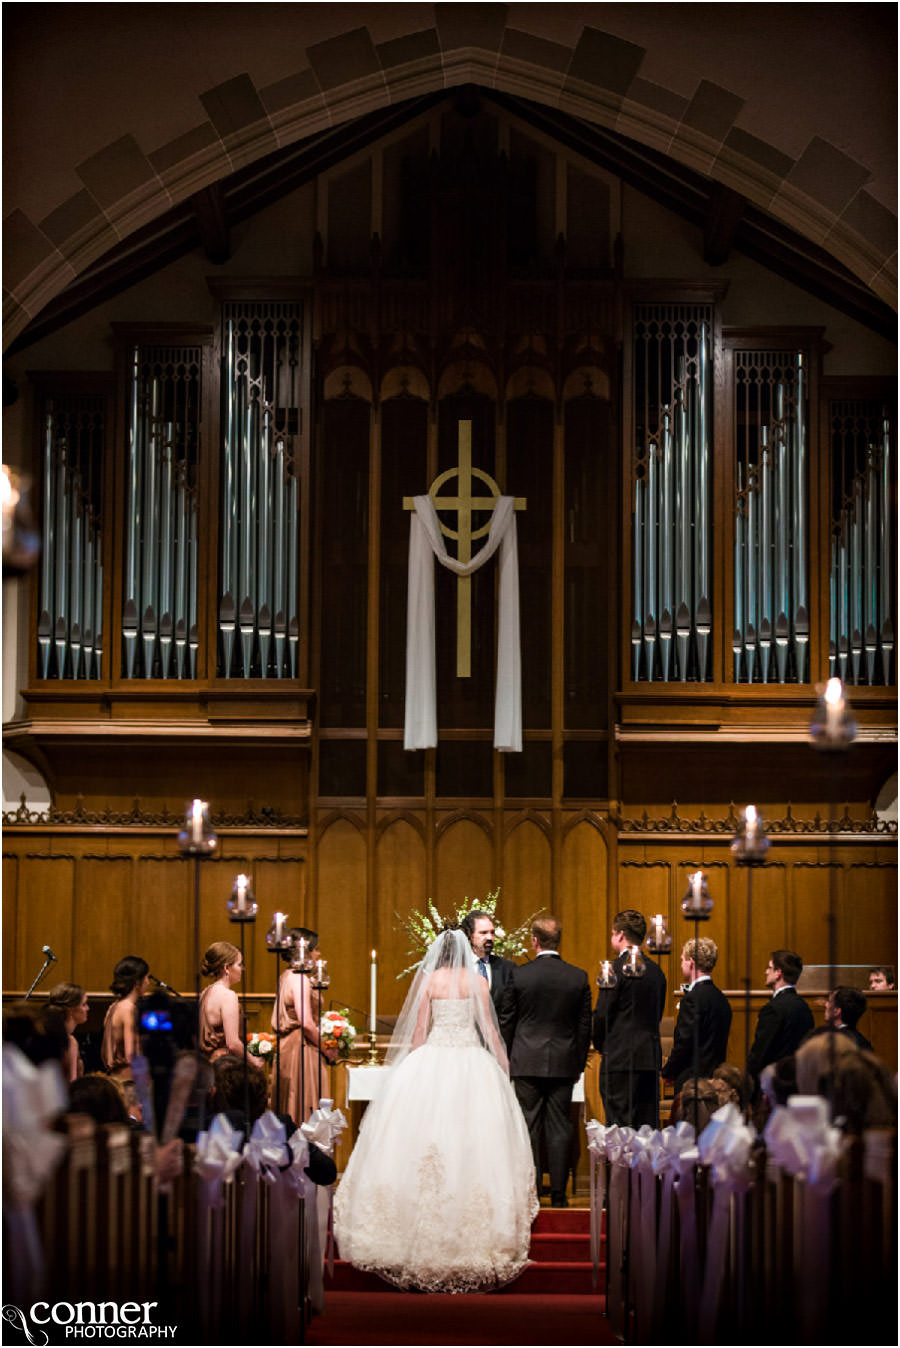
(881, 978)
(626, 1029)
(478, 926)
(704, 1017)
(843, 1009)
(785, 1021)
(545, 1018)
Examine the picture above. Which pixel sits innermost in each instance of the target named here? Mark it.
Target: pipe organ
(863, 542)
(162, 454)
(771, 518)
(671, 539)
(70, 613)
(258, 602)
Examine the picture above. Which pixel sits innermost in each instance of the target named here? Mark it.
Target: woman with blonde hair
(219, 1028)
(71, 1000)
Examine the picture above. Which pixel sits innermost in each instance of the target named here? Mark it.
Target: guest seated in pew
(101, 1098)
(231, 1081)
(862, 1091)
(39, 1032)
(732, 1085)
(777, 1083)
(695, 1103)
(881, 978)
(843, 1010)
(71, 1000)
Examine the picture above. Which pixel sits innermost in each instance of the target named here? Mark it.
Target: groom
(545, 1018)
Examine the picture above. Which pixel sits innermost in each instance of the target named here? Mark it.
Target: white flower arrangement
(424, 927)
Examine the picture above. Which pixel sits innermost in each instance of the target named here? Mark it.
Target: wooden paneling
(161, 918)
(464, 864)
(400, 882)
(583, 901)
(10, 918)
(46, 895)
(102, 923)
(526, 887)
(345, 934)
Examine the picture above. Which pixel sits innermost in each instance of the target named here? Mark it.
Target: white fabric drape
(425, 543)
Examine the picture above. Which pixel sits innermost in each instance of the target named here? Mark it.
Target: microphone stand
(49, 959)
(167, 988)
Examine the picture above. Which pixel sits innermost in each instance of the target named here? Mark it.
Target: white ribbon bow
(801, 1140)
(267, 1153)
(32, 1097)
(324, 1126)
(217, 1157)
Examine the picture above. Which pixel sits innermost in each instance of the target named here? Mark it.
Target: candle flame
(374, 953)
(834, 691)
(750, 814)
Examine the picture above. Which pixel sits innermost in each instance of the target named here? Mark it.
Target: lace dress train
(439, 1193)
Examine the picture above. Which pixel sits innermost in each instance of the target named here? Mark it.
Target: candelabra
(320, 979)
(278, 940)
(749, 849)
(697, 907)
(197, 839)
(242, 908)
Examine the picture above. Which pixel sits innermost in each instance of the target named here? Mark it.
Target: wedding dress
(439, 1193)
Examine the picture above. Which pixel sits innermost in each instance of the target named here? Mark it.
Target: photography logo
(56, 1322)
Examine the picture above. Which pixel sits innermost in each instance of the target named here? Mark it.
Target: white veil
(448, 970)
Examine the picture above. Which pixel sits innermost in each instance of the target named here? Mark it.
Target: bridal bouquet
(261, 1044)
(337, 1031)
(423, 928)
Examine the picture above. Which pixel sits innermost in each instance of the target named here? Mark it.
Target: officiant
(478, 926)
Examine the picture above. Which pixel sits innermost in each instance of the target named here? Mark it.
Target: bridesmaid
(71, 1000)
(219, 1029)
(296, 1022)
(121, 1037)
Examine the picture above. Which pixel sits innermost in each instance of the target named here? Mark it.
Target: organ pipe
(861, 582)
(260, 500)
(672, 616)
(771, 603)
(71, 577)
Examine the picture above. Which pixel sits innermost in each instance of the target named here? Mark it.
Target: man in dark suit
(479, 927)
(704, 1017)
(785, 1021)
(843, 1009)
(545, 1018)
(626, 1029)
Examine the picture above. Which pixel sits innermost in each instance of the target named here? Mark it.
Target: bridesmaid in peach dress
(219, 1026)
(71, 1000)
(295, 1020)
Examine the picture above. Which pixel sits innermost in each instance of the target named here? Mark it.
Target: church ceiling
(121, 142)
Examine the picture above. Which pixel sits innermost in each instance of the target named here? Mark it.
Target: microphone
(51, 958)
(165, 986)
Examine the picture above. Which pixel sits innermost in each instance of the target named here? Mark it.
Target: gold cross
(464, 505)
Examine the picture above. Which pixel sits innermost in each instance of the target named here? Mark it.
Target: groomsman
(545, 1018)
(626, 1030)
(786, 1020)
(704, 1017)
(479, 927)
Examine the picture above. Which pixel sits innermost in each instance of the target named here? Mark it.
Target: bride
(439, 1193)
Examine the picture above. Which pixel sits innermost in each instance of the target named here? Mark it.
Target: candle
(301, 950)
(696, 889)
(834, 707)
(319, 964)
(279, 927)
(197, 807)
(242, 893)
(373, 978)
(750, 818)
(658, 924)
(634, 954)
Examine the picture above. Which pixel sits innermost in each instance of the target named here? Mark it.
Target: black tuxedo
(704, 1017)
(626, 1032)
(545, 1019)
(501, 973)
(782, 1025)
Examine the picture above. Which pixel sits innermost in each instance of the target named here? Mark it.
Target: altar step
(560, 1251)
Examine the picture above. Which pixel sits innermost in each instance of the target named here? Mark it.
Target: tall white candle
(750, 817)
(196, 821)
(319, 965)
(658, 923)
(373, 992)
(242, 893)
(279, 928)
(697, 888)
(834, 707)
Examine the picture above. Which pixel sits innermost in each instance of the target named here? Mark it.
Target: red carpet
(553, 1301)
